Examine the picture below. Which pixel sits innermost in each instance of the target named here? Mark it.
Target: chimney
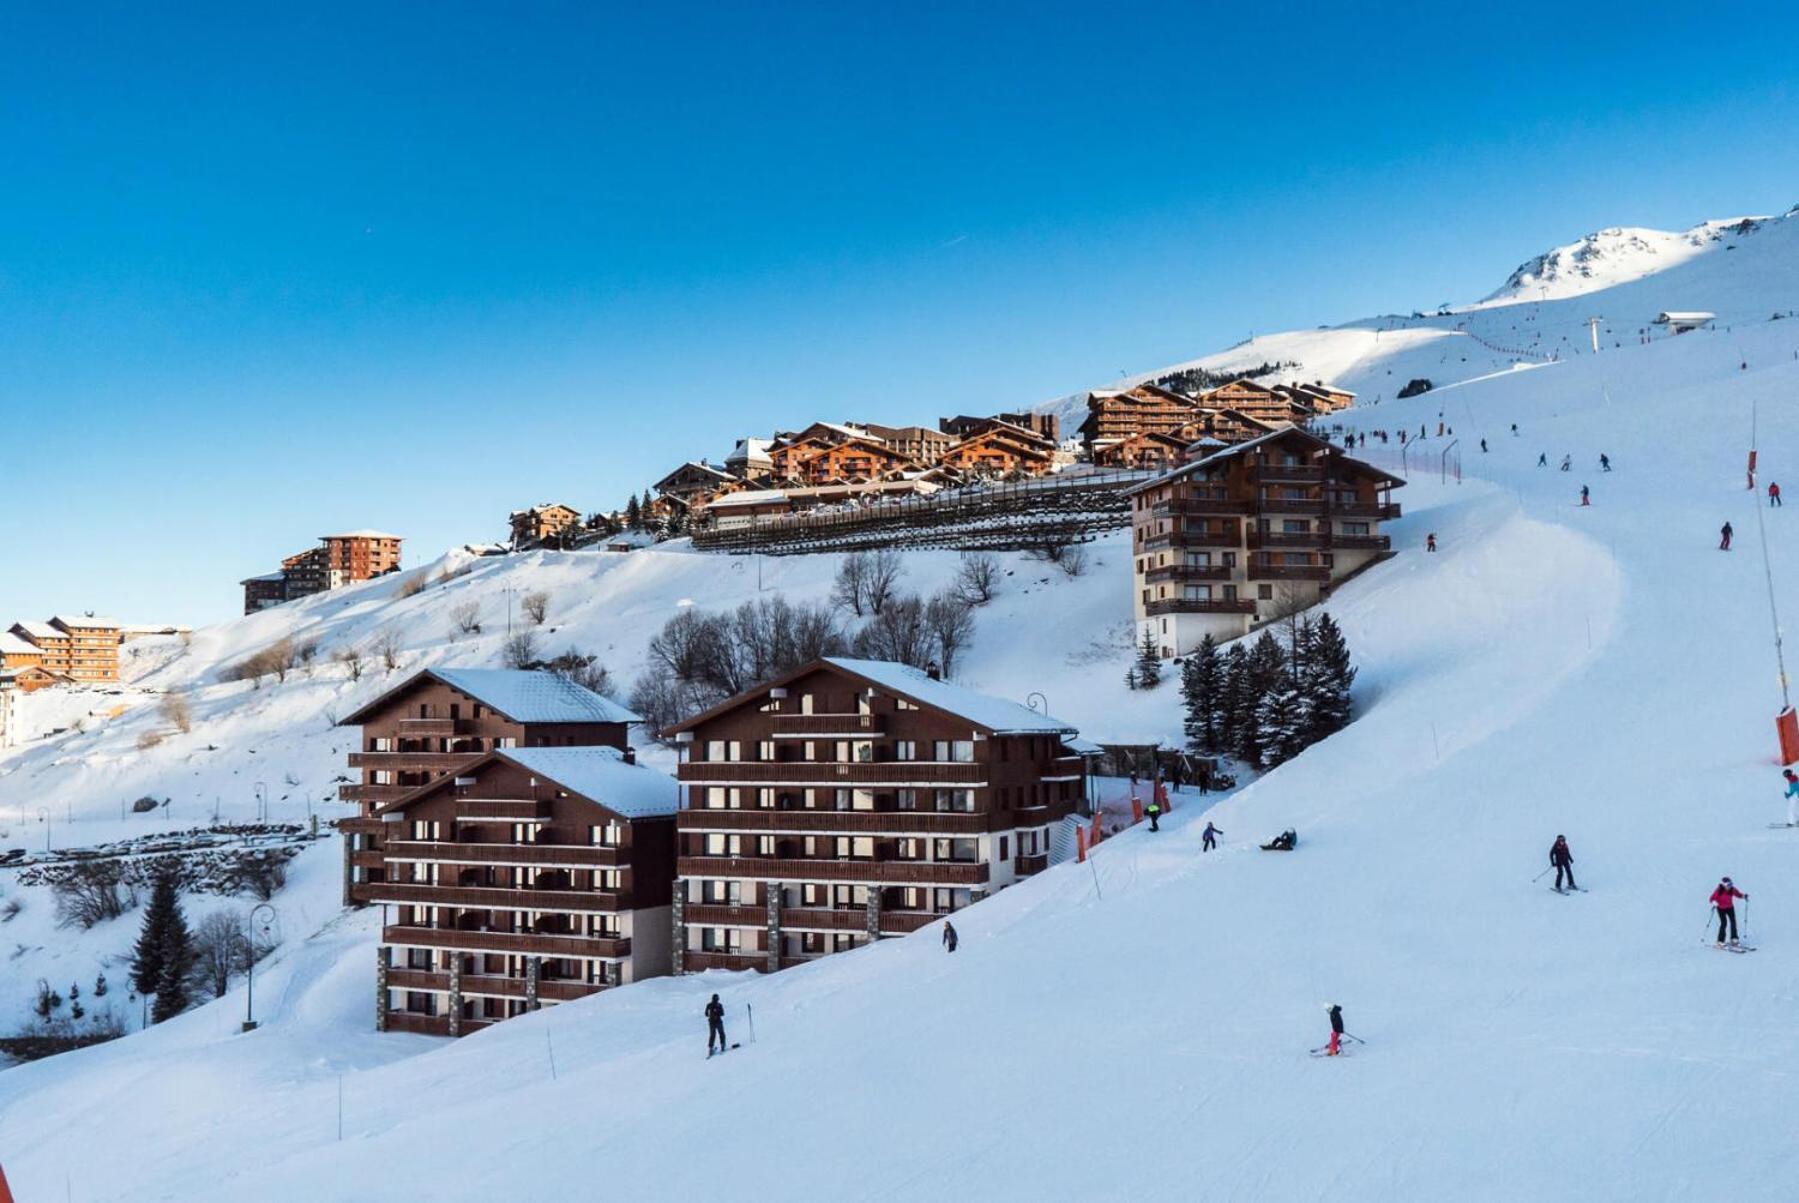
(630, 755)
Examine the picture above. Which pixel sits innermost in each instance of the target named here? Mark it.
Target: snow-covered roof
(267, 576)
(12, 645)
(361, 534)
(748, 497)
(1239, 448)
(983, 710)
(522, 695)
(81, 620)
(39, 630)
(749, 449)
(1682, 315)
(1082, 747)
(601, 774)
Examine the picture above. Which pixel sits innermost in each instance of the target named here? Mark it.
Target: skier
(1283, 842)
(1154, 811)
(715, 1026)
(1430, 541)
(1514, 430)
(950, 939)
(1605, 462)
(1336, 1014)
(1483, 446)
(1563, 860)
(1585, 496)
(1567, 462)
(1792, 798)
(1543, 459)
(1773, 494)
(1724, 543)
(1212, 833)
(1724, 899)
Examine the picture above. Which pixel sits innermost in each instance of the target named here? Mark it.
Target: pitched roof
(267, 576)
(12, 645)
(1237, 449)
(361, 534)
(82, 620)
(522, 695)
(39, 630)
(601, 774)
(983, 710)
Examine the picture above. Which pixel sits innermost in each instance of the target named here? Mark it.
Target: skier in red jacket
(1724, 899)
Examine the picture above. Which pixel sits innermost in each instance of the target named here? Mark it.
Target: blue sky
(266, 274)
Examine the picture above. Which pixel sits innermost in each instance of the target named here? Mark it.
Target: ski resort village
(1358, 763)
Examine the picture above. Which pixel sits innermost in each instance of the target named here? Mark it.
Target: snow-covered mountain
(1604, 672)
(1615, 256)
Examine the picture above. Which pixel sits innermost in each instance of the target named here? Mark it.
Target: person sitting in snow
(1284, 842)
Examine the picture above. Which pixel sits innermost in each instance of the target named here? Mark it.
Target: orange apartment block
(81, 648)
(1146, 407)
(1258, 401)
(1001, 451)
(1150, 449)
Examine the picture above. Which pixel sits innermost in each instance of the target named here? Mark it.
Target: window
(715, 749)
(721, 892)
(1355, 528)
(959, 751)
(1296, 526)
(905, 799)
(905, 749)
(715, 797)
(720, 844)
(1004, 848)
(1265, 592)
(765, 749)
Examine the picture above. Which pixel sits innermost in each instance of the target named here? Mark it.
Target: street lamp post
(43, 816)
(266, 914)
(1037, 702)
(262, 802)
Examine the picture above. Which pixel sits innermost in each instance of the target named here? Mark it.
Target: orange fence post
(5, 1194)
(1136, 809)
(1162, 797)
(1787, 724)
(1080, 845)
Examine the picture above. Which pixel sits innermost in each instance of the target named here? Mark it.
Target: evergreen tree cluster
(1266, 702)
(163, 961)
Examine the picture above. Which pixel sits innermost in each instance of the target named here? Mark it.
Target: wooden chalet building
(1112, 416)
(1149, 450)
(1224, 426)
(74, 648)
(692, 480)
(1045, 426)
(919, 444)
(1001, 450)
(855, 799)
(439, 721)
(1250, 533)
(533, 876)
(749, 460)
(543, 523)
(850, 460)
(1258, 401)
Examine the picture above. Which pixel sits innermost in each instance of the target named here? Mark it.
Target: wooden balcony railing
(1366, 509)
(521, 943)
(486, 898)
(581, 856)
(434, 726)
(1362, 542)
(1188, 572)
(872, 872)
(487, 985)
(1192, 605)
(1288, 572)
(438, 762)
(1033, 864)
(699, 962)
(842, 775)
(1284, 505)
(515, 810)
(423, 1025)
(1294, 539)
(724, 914)
(1201, 506)
(861, 726)
(373, 793)
(1190, 538)
(904, 923)
(368, 859)
(837, 822)
(1281, 474)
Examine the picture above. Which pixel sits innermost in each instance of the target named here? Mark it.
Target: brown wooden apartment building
(1251, 532)
(79, 647)
(851, 800)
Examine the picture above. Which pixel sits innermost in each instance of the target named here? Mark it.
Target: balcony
(867, 872)
(373, 794)
(502, 810)
(1312, 540)
(1282, 474)
(580, 856)
(484, 985)
(1200, 605)
(1033, 864)
(723, 914)
(520, 943)
(699, 962)
(1361, 542)
(486, 898)
(1382, 510)
(858, 726)
(1287, 505)
(368, 859)
(435, 762)
(433, 726)
(362, 826)
(839, 774)
(423, 1025)
(904, 923)
(1187, 572)
(1201, 506)
(822, 919)
(1288, 572)
(836, 822)
(1191, 538)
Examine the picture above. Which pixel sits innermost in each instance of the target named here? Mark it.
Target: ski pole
(1710, 915)
(1540, 876)
(750, 1008)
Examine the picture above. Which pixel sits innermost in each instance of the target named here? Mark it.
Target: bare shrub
(466, 617)
(352, 660)
(415, 584)
(885, 567)
(148, 740)
(850, 589)
(585, 671)
(949, 622)
(387, 648)
(9, 910)
(92, 892)
(175, 709)
(977, 579)
(898, 632)
(520, 650)
(1074, 561)
(536, 607)
(305, 652)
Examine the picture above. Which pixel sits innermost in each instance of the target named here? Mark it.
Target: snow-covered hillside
(1603, 672)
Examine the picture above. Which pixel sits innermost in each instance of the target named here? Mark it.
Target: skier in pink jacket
(1724, 899)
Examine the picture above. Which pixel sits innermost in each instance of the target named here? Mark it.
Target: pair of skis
(1734, 946)
(1324, 1050)
(1569, 890)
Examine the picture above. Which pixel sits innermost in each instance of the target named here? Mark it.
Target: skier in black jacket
(1336, 1014)
(1563, 860)
(715, 1026)
(950, 939)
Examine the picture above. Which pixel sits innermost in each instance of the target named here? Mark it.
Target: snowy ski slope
(1140, 1029)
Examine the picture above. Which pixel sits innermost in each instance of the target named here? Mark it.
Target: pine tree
(1280, 722)
(647, 508)
(1149, 661)
(1130, 677)
(172, 997)
(1263, 666)
(1201, 675)
(1327, 678)
(147, 957)
(1232, 686)
(633, 515)
(100, 986)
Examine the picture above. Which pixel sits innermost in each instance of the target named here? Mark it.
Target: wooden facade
(533, 876)
(70, 648)
(1112, 416)
(1000, 450)
(852, 800)
(1250, 533)
(543, 523)
(1258, 401)
(1150, 450)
